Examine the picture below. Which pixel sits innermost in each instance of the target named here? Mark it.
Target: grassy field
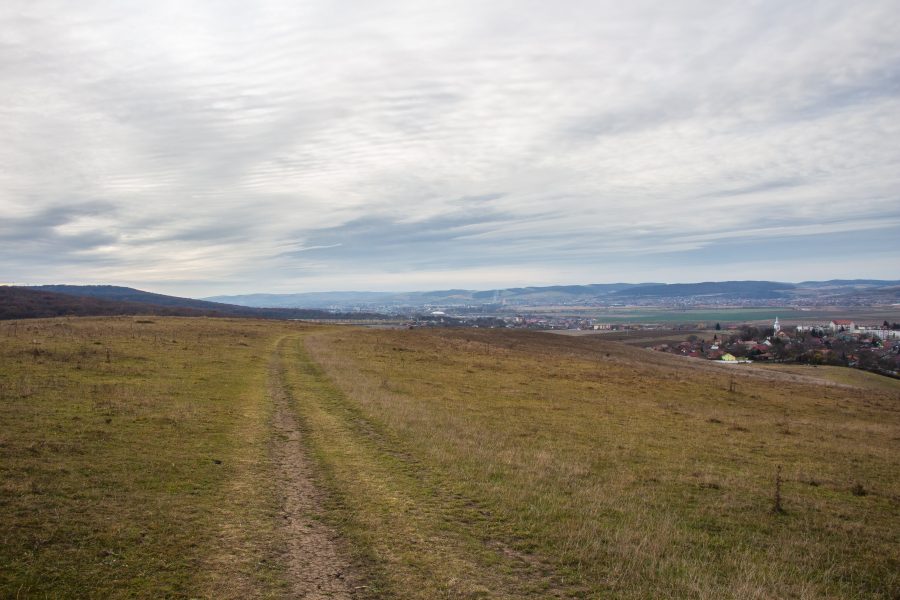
(837, 375)
(133, 457)
(622, 473)
(136, 461)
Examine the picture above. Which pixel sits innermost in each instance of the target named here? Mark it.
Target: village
(841, 342)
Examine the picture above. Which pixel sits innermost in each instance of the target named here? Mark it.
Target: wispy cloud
(225, 146)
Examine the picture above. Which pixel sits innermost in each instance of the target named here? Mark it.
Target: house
(729, 357)
(881, 332)
(842, 325)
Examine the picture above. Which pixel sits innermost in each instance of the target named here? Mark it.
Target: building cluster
(839, 342)
(439, 318)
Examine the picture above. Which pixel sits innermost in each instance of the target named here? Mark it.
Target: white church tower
(777, 325)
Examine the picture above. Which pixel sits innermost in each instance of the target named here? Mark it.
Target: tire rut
(315, 564)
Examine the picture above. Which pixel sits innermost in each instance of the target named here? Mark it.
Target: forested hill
(25, 303)
(103, 300)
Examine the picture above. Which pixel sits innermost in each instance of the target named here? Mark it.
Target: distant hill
(522, 295)
(125, 294)
(101, 300)
(306, 300)
(536, 295)
(742, 289)
(850, 283)
(564, 292)
(25, 303)
(591, 294)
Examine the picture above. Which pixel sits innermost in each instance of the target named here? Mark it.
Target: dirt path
(316, 566)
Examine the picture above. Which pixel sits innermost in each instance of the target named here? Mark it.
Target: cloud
(227, 146)
(57, 231)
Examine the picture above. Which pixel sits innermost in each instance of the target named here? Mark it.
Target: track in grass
(413, 534)
(315, 564)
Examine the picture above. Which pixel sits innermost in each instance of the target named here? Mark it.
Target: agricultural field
(643, 337)
(788, 315)
(229, 458)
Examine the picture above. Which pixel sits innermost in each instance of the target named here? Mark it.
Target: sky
(223, 147)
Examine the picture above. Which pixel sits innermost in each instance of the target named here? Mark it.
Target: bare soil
(316, 565)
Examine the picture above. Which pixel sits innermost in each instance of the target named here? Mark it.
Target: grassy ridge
(637, 480)
(134, 459)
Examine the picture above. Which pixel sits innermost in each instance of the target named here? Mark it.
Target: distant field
(145, 457)
(837, 375)
(787, 315)
(642, 337)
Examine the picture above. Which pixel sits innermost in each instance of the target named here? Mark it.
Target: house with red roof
(842, 325)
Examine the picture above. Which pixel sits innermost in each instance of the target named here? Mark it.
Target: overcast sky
(205, 147)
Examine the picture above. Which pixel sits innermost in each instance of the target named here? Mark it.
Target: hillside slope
(609, 470)
(118, 294)
(26, 303)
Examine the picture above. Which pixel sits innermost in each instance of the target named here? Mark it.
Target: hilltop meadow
(193, 457)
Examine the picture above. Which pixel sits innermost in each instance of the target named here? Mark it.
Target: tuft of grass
(777, 507)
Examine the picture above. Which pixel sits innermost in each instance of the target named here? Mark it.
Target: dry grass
(634, 475)
(827, 374)
(136, 461)
(416, 537)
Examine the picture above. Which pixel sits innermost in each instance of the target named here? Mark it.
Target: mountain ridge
(613, 292)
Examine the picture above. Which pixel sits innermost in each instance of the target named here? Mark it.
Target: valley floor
(222, 458)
